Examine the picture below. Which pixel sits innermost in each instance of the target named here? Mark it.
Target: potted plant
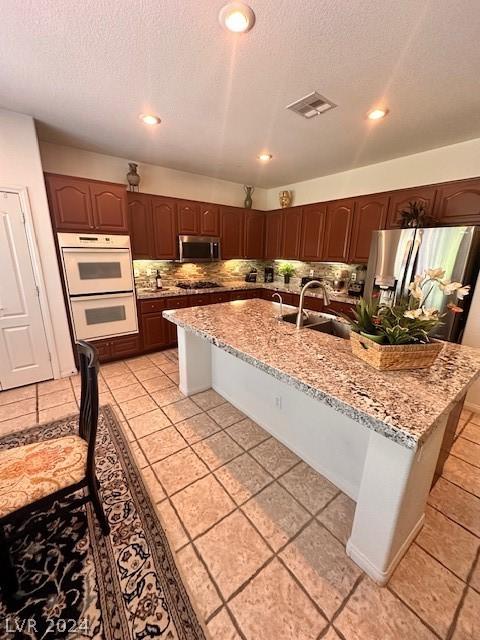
(398, 337)
(286, 270)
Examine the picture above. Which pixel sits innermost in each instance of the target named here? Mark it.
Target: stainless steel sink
(323, 322)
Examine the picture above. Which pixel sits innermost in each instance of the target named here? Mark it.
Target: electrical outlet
(148, 271)
(278, 402)
(136, 273)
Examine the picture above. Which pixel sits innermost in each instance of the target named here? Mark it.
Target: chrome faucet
(280, 300)
(326, 300)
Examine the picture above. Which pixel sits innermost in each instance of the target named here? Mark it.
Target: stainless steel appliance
(269, 274)
(198, 248)
(99, 283)
(397, 255)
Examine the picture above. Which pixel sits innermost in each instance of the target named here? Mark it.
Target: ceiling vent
(312, 105)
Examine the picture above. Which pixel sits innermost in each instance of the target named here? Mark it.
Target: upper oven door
(97, 270)
(199, 248)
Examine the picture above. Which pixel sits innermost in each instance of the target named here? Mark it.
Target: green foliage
(286, 269)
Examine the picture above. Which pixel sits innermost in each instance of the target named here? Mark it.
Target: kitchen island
(376, 435)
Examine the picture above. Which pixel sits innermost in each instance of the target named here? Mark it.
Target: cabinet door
(399, 202)
(313, 304)
(254, 234)
(154, 330)
(188, 218)
(370, 215)
(109, 205)
(164, 228)
(458, 203)
(209, 220)
(70, 203)
(140, 225)
(104, 349)
(232, 224)
(313, 232)
(273, 235)
(343, 307)
(337, 230)
(179, 302)
(125, 346)
(292, 231)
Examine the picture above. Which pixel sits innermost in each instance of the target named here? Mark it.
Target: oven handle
(103, 296)
(93, 250)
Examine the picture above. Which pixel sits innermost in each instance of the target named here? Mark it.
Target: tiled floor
(260, 535)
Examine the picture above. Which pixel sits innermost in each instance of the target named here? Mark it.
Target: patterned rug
(80, 584)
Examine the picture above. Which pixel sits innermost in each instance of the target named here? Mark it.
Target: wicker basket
(394, 357)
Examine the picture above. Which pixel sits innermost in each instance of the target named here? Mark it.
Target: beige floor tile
(57, 413)
(158, 358)
(276, 515)
(122, 394)
(247, 433)
(450, 543)
(148, 423)
(233, 551)
(17, 409)
(462, 474)
(197, 427)
(150, 372)
(54, 399)
(77, 381)
(243, 477)
(465, 414)
(208, 399)
(471, 432)
(161, 444)
(338, 517)
(103, 399)
(475, 418)
(16, 395)
(157, 383)
(373, 613)
(127, 431)
(217, 450)
(18, 424)
(274, 457)
(169, 367)
(466, 450)
(456, 504)
(172, 354)
(226, 414)
(202, 504)
(309, 487)
(273, 607)
(428, 588)
(201, 587)
(138, 455)
(135, 364)
(114, 369)
(475, 577)
(173, 527)
(118, 412)
(221, 627)
(321, 565)
(181, 410)
(51, 386)
(167, 396)
(179, 470)
(137, 406)
(153, 486)
(123, 380)
(468, 623)
(175, 378)
(331, 635)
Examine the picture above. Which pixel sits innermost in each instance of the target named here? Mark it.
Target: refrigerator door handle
(408, 265)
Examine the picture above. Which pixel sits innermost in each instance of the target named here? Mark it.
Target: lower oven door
(104, 316)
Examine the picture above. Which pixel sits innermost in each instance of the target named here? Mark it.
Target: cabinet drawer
(151, 306)
(239, 295)
(126, 346)
(178, 303)
(220, 297)
(200, 300)
(313, 304)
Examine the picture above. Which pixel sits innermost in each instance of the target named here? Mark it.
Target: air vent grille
(312, 105)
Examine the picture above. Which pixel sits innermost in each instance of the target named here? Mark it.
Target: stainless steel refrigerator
(397, 255)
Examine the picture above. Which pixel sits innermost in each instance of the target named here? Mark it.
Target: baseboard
(471, 406)
(382, 577)
(193, 390)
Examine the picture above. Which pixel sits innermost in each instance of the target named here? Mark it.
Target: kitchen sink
(322, 322)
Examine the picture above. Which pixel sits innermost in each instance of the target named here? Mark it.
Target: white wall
(453, 162)
(20, 166)
(154, 179)
(471, 338)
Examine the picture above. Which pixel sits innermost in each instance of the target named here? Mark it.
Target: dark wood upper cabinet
(458, 203)
(399, 202)
(140, 225)
(209, 220)
(370, 215)
(70, 203)
(338, 225)
(164, 221)
(273, 234)
(188, 218)
(254, 234)
(231, 232)
(313, 232)
(109, 205)
(292, 233)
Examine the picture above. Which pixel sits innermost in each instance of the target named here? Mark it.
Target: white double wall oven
(100, 286)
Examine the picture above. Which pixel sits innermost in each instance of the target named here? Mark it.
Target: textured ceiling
(86, 69)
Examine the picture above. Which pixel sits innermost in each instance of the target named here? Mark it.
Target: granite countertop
(145, 294)
(404, 406)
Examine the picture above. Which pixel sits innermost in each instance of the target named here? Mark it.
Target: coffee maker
(269, 274)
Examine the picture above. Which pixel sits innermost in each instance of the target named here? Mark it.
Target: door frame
(22, 193)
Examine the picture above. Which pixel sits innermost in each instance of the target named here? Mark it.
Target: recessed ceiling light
(377, 114)
(146, 118)
(264, 157)
(236, 17)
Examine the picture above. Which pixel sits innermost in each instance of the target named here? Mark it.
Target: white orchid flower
(462, 292)
(436, 273)
(429, 313)
(450, 287)
(416, 289)
(413, 313)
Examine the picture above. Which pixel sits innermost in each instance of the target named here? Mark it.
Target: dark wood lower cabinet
(154, 331)
(116, 348)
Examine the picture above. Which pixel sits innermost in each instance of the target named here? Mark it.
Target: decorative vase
(286, 279)
(285, 198)
(395, 357)
(248, 202)
(133, 177)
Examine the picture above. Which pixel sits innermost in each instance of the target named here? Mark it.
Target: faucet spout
(326, 299)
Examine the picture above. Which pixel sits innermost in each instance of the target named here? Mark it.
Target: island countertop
(404, 406)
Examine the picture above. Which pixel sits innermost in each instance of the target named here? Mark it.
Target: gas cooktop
(198, 284)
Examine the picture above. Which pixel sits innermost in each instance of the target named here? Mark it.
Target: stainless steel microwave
(198, 248)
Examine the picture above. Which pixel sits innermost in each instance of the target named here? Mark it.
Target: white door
(24, 355)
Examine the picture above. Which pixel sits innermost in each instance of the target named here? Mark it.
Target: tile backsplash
(228, 271)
